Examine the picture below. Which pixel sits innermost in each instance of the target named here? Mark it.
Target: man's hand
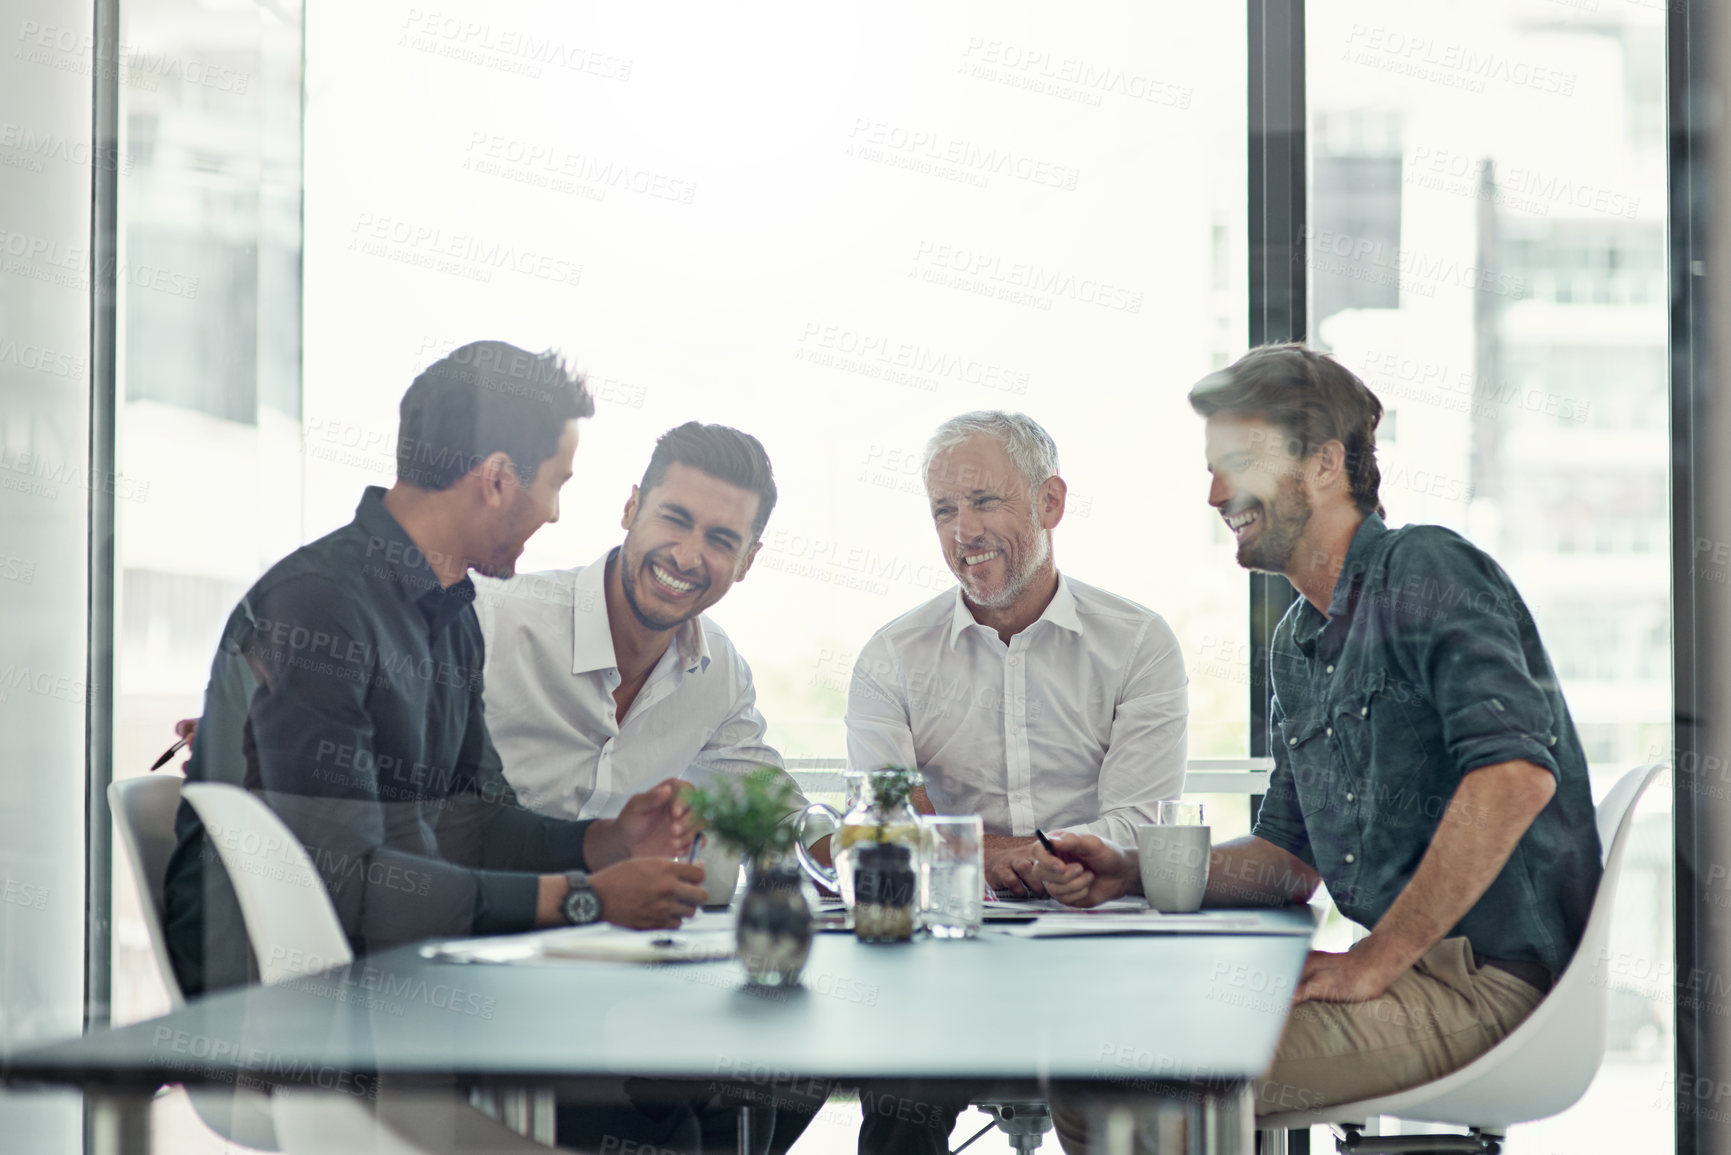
(1357, 976)
(1087, 870)
(1011, 869)
(649, 893)
(186, 729)
(657, 823)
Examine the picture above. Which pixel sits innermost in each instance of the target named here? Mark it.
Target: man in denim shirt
(1426, 767)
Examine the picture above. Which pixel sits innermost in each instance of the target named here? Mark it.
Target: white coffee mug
(1174, 865)
(720, 861)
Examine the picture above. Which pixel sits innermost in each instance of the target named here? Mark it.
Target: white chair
(144, 810)
(294, 931)
(1543, 1067)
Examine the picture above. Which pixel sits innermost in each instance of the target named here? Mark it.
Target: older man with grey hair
(1025, 696)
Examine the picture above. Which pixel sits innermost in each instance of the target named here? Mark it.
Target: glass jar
(773, 931)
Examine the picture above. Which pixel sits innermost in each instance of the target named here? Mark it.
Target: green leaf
(749, 810)
(894, 785)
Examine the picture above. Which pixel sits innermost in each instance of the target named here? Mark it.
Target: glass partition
(46, 489)
(834, 234)
(209, 382)
(1487, 250)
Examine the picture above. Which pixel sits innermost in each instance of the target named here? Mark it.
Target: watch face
(582, 906)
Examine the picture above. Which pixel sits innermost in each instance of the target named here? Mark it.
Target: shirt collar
(1310, 624)
(1364, 542)
(1060, 611)
(393, 555)
(592, 632)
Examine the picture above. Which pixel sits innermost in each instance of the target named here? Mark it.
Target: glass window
(209, 382)
(46, 488)
(1525, 346)
(833, 237)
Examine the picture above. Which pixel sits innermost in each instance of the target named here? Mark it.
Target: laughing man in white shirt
(604, 680)
(607, 678)
(1025, 696)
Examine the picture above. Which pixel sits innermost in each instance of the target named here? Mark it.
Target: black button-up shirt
(1426, 667)
(347, 692)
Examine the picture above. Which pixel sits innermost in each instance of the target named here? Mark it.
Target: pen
(696, 842)
(169, 753)
(1046, 842)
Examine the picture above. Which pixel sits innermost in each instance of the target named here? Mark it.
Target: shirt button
(1330, 670)
(1363, 711)
(1349, 858)
(1015, 661)
(1292, 741)
(1349, 796)
(1330, 731)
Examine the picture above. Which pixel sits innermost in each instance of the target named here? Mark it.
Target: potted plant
(773, 930)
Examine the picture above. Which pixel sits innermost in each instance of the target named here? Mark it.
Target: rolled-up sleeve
(1280, 820)
(1469, 654)
(1147, 749)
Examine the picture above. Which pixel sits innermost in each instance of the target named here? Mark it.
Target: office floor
(1626, 1112)
(1640, 1124)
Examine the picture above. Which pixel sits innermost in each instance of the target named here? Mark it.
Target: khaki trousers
(1436, 1018)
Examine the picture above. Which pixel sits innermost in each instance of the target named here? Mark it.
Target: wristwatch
(581, 905)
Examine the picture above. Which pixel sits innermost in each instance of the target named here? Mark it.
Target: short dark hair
(484, 398)
(1308, 396)
(724, 453)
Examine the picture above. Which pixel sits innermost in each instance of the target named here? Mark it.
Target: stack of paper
(1075, 923)
(595, 943)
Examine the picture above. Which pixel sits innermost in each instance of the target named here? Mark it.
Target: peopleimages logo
(51, 261)
(1019, 282)
(834, 345)
(72, 50)
(1067, 77)
(1453, 65)
(920, 149)
(503, 48)
(545, 164)
(464, 255)
(31, 148)
(1364, 258)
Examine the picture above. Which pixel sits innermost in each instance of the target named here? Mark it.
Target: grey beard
(1019, 582)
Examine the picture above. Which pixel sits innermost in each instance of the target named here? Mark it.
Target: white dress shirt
(550, 674)
(1077, 724)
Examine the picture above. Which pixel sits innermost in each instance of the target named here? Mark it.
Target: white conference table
(1185, 1017)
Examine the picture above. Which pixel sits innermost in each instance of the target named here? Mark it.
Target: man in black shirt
(347, 693)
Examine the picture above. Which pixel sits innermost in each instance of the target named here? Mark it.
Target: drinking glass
(1181, 814)
(952, 874)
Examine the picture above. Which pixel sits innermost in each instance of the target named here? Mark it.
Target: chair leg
(1295, 1141)
(1024, 1124)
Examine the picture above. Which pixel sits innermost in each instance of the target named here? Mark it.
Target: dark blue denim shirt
(1427, 666)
